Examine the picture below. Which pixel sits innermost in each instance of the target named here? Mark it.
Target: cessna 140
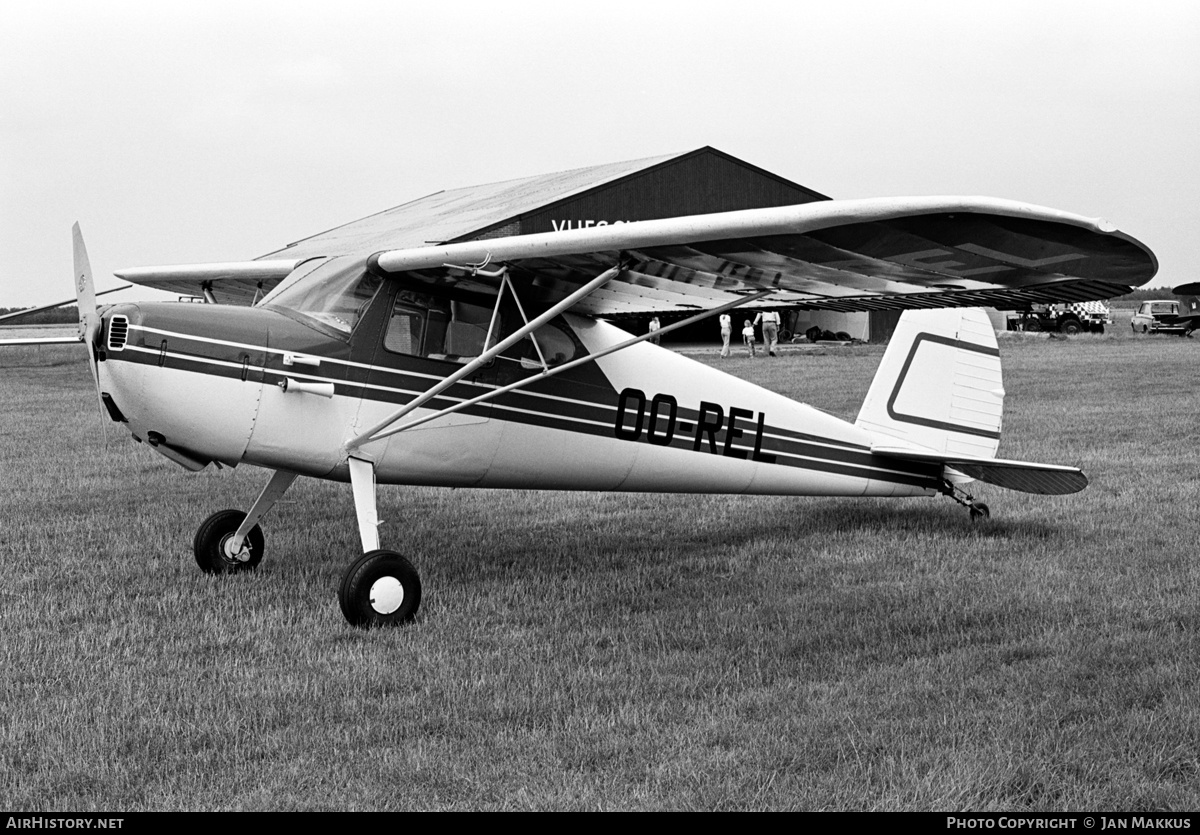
(491, 363)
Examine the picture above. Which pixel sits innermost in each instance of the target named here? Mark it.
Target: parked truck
(1076, 317)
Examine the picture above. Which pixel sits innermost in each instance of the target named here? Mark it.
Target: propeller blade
(89, 316)
(85, 289)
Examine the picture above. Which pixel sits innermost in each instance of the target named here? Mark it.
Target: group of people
(770, 330)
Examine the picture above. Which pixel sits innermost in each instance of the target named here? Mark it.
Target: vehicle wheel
(1145, 329)
(1070, 327)
(380, 588)
(1032, 326)
(980, 512)
(212, 538)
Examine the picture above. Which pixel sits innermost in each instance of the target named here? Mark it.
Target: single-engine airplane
(491, 363)
(45, 340)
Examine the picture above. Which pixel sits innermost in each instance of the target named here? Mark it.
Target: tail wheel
(214, 544)
(980, 512)
(380, 588)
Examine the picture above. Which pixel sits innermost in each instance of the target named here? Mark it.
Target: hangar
(697, 182)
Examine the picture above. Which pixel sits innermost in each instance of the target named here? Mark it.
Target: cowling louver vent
(118, 333)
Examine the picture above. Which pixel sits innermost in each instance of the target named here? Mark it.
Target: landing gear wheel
(212, 546)
(980, 512)
(380, 588)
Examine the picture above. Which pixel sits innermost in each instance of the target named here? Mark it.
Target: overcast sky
(180, 132)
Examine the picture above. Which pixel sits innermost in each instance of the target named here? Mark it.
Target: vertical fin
(939, 386)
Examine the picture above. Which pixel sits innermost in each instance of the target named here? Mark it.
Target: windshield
(335, 293)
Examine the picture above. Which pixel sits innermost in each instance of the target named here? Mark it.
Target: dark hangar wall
(700, 182)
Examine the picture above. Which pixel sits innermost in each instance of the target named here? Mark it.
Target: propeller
(89, 316)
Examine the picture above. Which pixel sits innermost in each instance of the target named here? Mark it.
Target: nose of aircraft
(162, 373)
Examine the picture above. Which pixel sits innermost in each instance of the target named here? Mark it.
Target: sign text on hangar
(563, 225)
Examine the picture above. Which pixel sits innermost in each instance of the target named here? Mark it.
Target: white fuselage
(642, 419)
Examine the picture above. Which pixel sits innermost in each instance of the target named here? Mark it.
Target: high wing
(235, 282)
(846, 255)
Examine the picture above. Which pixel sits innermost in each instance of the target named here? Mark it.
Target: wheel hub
(387, 595)
(240, 555)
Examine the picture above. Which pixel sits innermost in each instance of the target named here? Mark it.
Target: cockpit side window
(430, 326)
(405, 331)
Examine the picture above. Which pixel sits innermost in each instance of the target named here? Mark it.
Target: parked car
(1158, 316)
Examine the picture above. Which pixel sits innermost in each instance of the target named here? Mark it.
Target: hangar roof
(471, 212)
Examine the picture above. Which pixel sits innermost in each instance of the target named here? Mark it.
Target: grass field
(602, 651)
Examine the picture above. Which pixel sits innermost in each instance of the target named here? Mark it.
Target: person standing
(726, 332)
(770, 327)
(748, 336)
(654, 326)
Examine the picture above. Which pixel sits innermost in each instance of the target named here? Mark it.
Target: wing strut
(505, 281)
(488, 355)
(550, 372)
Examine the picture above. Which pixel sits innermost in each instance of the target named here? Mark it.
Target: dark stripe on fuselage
(557, 403)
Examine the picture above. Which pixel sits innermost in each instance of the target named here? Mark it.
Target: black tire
(211, 537)
(1070, 327)
(980, 512)
(380, 588)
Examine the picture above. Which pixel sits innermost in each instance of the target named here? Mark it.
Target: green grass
(605, 651)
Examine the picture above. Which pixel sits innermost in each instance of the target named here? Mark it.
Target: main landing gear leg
(230, 540)
(380, 588)
(979, 511)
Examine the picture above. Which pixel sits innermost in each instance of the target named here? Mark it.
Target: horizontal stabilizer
(1027, 477)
